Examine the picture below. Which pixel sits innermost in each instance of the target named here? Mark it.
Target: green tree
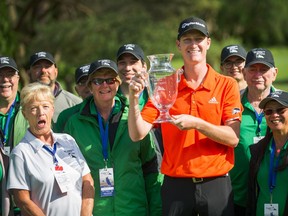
(256, 22)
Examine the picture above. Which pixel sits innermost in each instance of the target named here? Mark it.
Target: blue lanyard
(259, 118)
(52, 152)
(140, 95)
(272, 172)
(6, 133)
(104, 134)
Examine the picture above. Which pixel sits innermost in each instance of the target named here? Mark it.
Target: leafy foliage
(77, 32)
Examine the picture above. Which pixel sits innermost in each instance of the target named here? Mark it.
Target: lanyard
(104, 136)
(6, 133)
(272, 172)
(259, 118)
(52, 152)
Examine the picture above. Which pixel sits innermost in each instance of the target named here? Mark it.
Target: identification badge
(7, 150)
(62, 178)
(106, 178)
(257, 139)
(271, 209)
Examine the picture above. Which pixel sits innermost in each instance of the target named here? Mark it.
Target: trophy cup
(162, 85)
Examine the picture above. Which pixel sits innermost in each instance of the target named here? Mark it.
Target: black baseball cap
(232, 50)
(81, 71)
(41, 55)
(279, 96)
(259, 55)
(192, 23)
(102, 63)
(8, 62)
(133, 49)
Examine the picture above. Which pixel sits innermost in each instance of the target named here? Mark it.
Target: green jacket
(64, 116)
(249, 128)
(18, 125)
(126, 158)
(58, 127)
(17, 130)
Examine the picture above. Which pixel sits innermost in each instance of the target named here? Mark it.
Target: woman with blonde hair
(48, 175)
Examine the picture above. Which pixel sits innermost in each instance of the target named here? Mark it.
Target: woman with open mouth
(48, 175)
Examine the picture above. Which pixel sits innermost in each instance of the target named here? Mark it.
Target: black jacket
(257, 154)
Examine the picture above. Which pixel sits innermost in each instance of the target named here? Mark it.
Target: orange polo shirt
(189, 153)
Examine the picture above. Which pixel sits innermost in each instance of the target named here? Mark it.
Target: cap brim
(136, 56)
(3, 66)
(266, 100)
(191, 29)
(104, 66)
(42, 59)
(233, 55)
(259, 62)
(83, 75)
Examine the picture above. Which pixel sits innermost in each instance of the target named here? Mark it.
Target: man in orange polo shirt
(199, 142)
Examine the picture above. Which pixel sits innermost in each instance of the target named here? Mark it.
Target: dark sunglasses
(99, 81)
(279, 111)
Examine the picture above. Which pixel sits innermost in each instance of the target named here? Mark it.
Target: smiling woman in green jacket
(101, 131)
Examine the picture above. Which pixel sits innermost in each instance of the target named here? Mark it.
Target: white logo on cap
(233, 49)
(129, 46)
(276, 94)
(85, 68)
(259, 54)
(105, 62)
(184, 25)
(4, 60)
(41, 54)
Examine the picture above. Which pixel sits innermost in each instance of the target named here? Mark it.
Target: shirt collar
(207, 83)
(36, 143)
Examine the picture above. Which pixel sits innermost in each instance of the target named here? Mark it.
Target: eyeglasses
(279, 111)
(8, 74)
(108, 81)
(82, 82)
(230, 64)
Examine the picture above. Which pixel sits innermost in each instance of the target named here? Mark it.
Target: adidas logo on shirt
(213, 101)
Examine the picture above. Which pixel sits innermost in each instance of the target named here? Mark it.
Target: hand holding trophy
(162, 84)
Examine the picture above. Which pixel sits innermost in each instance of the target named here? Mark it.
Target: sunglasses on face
(279, 111)
(108, 81)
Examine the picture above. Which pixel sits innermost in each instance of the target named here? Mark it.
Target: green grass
(281, 62)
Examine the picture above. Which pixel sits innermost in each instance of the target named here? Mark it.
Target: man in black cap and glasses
(12, 122)
(81, 78)
(259, 72)
(232, 63)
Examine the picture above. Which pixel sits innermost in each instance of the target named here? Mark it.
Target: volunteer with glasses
(232, 63)
(259, 73)
(81, 77)
(101, 131)
(268, 175)
(12, 123)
